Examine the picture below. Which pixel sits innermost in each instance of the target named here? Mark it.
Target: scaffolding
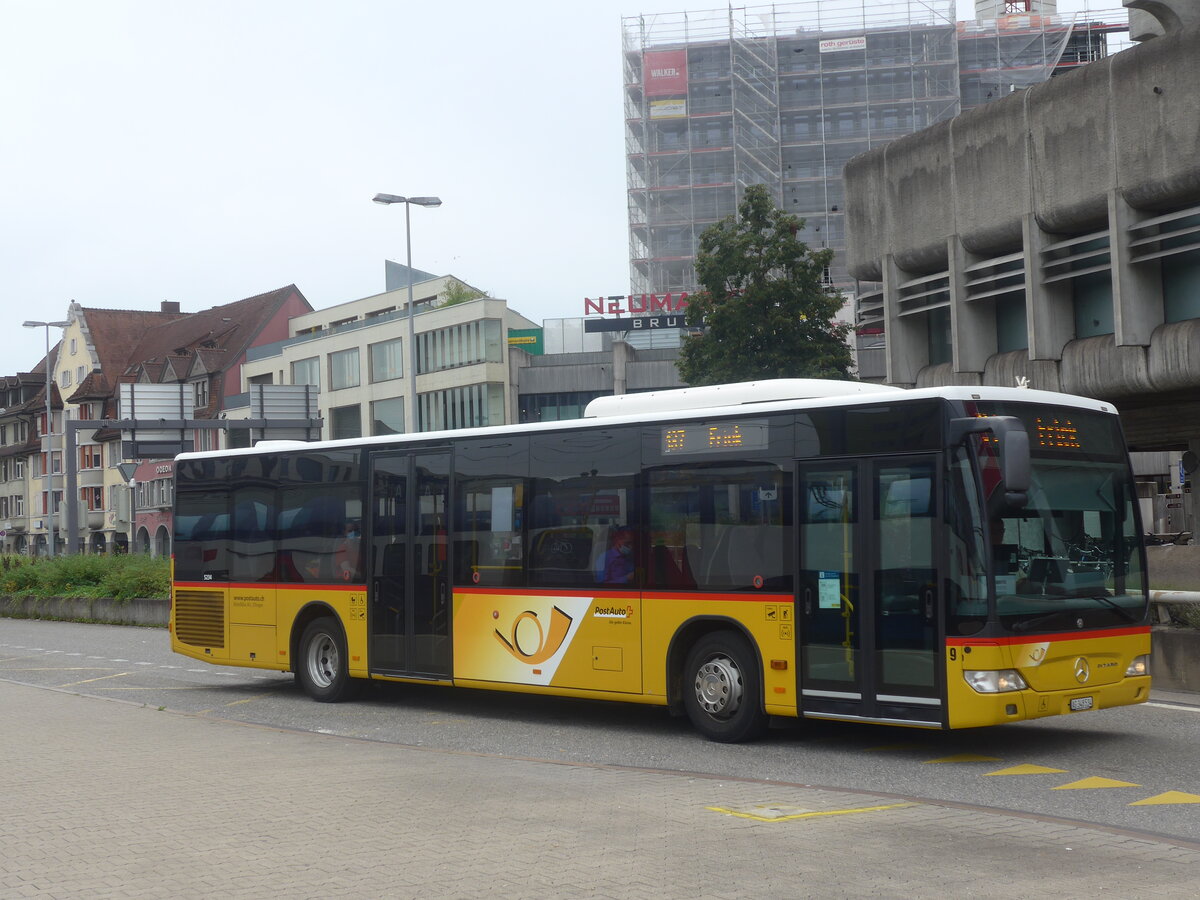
(784, 95)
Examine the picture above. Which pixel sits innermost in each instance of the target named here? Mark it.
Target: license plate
(1081, 703)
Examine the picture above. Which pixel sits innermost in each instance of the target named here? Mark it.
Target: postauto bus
(936, 558)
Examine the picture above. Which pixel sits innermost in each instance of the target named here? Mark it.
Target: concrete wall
(1129, 123)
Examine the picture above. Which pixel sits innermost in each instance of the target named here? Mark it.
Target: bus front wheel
(721, 689)
(322, 668)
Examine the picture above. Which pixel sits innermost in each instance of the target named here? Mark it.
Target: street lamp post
(49, 430)
(428, 202)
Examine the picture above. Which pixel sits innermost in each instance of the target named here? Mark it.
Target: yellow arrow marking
(1026, 770)
(93, 680)
(1168, 797)
(963, 757)
(1093, 784)
(807, 815)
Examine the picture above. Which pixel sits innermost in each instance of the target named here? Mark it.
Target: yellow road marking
(1168, 797)
(963, 757)
(807, 815)
(1026, 770)
(93, 680)
(1087, 784)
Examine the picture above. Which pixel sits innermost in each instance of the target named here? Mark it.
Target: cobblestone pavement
(109, 799)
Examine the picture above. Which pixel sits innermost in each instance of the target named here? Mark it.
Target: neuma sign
(635, 305)
(664, 73)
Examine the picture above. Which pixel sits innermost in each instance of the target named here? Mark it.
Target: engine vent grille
(200, 618)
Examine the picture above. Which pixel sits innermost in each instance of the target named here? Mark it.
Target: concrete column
(1137, 289)
(907, 344)
(1049, 308)
(972, 325)
(620, 367)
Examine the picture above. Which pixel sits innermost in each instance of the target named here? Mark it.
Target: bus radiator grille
(200, 618)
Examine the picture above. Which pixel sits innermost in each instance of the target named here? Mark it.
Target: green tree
(765, 309)
(456, 292)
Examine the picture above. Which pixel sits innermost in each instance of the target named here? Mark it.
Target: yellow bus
(934, 558)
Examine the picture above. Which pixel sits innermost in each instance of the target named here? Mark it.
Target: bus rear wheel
(721, 689)
(322, 666)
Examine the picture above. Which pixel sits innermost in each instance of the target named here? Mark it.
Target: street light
(49, 429)
(428, 202)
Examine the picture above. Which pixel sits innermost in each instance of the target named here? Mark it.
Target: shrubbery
(118, 577)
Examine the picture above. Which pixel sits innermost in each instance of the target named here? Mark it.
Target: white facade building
(357, 355)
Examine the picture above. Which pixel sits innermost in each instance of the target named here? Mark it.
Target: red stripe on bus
(1044, 638)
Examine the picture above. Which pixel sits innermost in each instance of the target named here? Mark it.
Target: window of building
(1012, 328)
(1093, 304)
(56, 461)
(18, 468)
(72, 346)
(554, 407)
(345, 422)
(90, 456)
(205, 439)
(16, 505)
(938, 324)
(387, 360)
(387, 416)
(92, 498)
(343, 369)
(80, 374)
(1181, 286)
(341, 322)
(307, 371)
(65, 377)
(269, 378)
(465, 407)
(460, 345)
(200, 393)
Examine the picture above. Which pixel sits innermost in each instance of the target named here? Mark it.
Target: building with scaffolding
(784, 95)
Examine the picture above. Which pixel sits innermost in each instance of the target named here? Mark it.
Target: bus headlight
(1139, 666)
(995, 681)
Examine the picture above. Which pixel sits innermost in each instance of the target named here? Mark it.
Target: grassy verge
(120, 578)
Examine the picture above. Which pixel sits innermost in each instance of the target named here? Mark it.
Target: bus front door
(410, 583)
(869, 600)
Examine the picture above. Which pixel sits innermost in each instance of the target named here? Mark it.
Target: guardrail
(1160, 600)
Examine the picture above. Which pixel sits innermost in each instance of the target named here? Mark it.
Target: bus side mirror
(1010, 433)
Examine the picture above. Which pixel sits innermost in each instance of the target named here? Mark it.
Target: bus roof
(853, 394)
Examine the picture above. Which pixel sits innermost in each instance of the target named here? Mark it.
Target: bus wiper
(1027, 624)
(1111, 604)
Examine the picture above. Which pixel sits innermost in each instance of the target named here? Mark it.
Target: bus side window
(720, 528)
(489, 543)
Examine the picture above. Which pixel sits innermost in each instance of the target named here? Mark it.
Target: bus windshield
(1071, 557)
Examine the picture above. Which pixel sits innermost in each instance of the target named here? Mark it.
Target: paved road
(1095, 767)
(114, 799)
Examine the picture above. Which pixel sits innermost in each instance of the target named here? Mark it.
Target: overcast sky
(209, 151)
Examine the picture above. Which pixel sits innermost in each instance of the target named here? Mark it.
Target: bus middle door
(870, 551)
(409, 599)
